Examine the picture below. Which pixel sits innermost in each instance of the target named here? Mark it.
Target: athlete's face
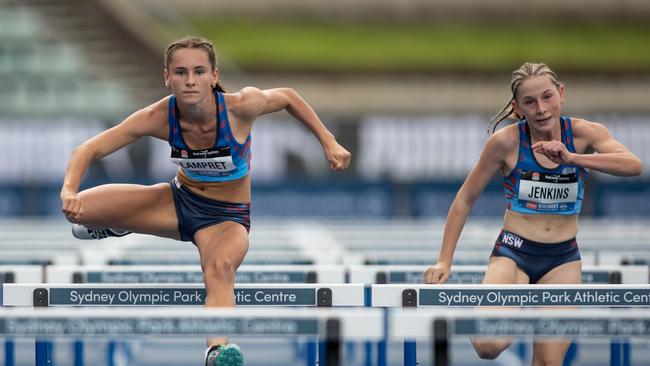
(539, 101)
(190, 75)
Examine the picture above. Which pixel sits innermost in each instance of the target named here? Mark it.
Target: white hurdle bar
(40, 257)
(591, 295)
(332, 325)
(154, 295)
(441, 326)
(20, 274)
(462, 257)
(469, 296)
(95, 256)
(193, 274)
(38, 294)
(467, 274)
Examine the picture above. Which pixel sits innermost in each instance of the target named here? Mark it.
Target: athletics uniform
(226, 160)
(533, 189)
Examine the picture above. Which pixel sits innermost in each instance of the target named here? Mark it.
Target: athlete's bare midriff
(541, 228)
(234, 191)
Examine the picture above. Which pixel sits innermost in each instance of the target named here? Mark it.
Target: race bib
(213, 162)
(547, 188)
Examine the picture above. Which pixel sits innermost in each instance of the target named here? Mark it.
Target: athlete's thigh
(137, 208)
(503, 270)
(568, 273)
(552, 350)
(500, 270)
(226, 240)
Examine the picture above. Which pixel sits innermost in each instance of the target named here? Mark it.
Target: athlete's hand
(72, 206)
(437, 274)
(555, 151)
(338, 156)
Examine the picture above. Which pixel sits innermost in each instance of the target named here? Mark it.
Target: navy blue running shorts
(195, 212)
(535, 259)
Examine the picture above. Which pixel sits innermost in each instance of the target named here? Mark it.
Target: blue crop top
(533, 189)
(226, 160)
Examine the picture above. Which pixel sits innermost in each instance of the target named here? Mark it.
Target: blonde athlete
(544, 160)
(208, 202)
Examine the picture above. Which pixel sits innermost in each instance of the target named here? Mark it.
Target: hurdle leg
(43, 353)
(410, 300)
(381, 353)
(615, 353)
(78, 353)
(410, 353)
(440, 332)
(571, 354)
(627, 353)
(368, 354)
(332, 343)
(311, 352)
(382, 344)
(10, 352)
(522, 350)
(110, 353)
(367, 299)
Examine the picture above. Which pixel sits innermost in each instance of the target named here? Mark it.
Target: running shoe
(224, 355)
(84, 233)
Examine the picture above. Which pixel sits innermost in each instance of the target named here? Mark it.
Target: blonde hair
(523, 73)
(194, 42)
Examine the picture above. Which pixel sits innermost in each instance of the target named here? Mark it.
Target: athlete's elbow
(464, 202)
(289, 92)
(637, 168)
(633, 168)
(85, 151)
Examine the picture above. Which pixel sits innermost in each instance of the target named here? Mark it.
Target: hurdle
(332, 325)
(47, 295)
(424, 258)
(41, 257)
(624, 256)
(470, 296)
(173, 295)
(176, 257)
(20, 274)
(441, 326)
(193, 274)
(392, 274)
(592, 295)
(369, 274)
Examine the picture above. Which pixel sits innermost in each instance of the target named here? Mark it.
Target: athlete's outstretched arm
(255, 102)
(491, 161)
(612, 158)
(150, 121)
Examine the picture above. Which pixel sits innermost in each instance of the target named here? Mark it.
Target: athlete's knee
(548, 360)
(222, 269)
(488, 351)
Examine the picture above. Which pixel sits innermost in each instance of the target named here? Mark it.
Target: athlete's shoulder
(585, 128)
(505, 139)
(245, 95)
(155, 111)
(246, 104)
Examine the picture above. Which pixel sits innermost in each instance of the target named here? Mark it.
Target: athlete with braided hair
(544, 159)
(208, 202)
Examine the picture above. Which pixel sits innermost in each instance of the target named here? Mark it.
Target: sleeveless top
(533, 189)
(226, 160)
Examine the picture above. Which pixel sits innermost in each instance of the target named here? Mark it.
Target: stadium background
(407, 86)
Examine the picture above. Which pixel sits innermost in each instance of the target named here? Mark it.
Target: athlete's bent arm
(255, 102)
(612, 158)
(491, 161)
(146, 122)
